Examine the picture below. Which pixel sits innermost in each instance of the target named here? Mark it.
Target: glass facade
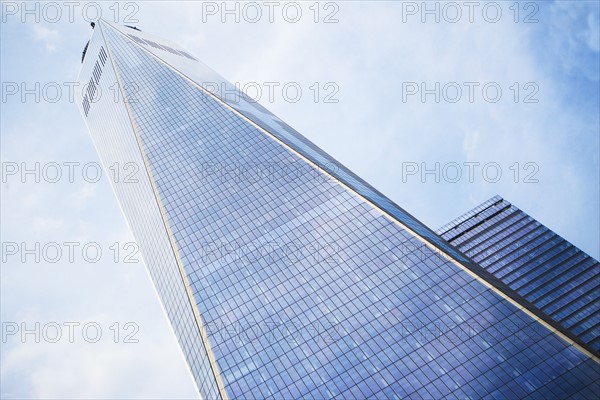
(114, 137)
(305, 280)
(557, 278)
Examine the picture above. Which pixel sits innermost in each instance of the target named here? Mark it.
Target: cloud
(470, 142)
(573, 37)
(592, 34)
(83, 369)
(45, 224)
(49, 37)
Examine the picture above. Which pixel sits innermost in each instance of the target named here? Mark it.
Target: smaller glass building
(548, 272)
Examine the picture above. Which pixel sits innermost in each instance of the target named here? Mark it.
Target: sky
(517, 90)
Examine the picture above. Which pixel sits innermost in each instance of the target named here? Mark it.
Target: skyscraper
(283, 274)
(544, 269)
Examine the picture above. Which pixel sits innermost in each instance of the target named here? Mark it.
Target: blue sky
(370, 55)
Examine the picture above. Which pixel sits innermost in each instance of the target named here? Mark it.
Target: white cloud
(47, 36)
(47, 224)
(592, 33)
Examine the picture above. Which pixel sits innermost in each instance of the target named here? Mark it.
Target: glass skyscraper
(547, 271)
(283, 274)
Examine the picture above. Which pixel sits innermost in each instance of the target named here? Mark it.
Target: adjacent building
(546, 271)
(283, 274)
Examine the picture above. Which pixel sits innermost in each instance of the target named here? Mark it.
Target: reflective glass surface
(110, 127)
(305, 288)
(560, 280)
